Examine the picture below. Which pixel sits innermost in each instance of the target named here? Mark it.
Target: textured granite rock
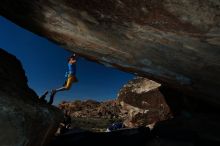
(173, 42)
(144, 103)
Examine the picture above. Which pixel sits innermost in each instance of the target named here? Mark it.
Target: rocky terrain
(91, 108)
(139, 103)
(92, 115)
(161, 119)
(24, 120)
(173, 42)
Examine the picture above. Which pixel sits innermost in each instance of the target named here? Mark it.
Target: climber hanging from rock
(70, 78)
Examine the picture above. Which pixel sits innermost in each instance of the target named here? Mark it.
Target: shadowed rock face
(174, 42)
(24, 121)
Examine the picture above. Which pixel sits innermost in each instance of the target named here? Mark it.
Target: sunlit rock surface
(174, 42)
(24, 121)
(144, 104)
(139, 103)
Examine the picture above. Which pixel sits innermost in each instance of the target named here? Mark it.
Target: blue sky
(45, 65)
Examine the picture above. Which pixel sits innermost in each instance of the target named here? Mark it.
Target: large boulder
(24, 121)
(174, 42)
(144, 104)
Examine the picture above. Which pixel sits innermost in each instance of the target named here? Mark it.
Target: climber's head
(72, 58)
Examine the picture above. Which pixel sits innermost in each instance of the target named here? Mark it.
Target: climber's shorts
(69, 81)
